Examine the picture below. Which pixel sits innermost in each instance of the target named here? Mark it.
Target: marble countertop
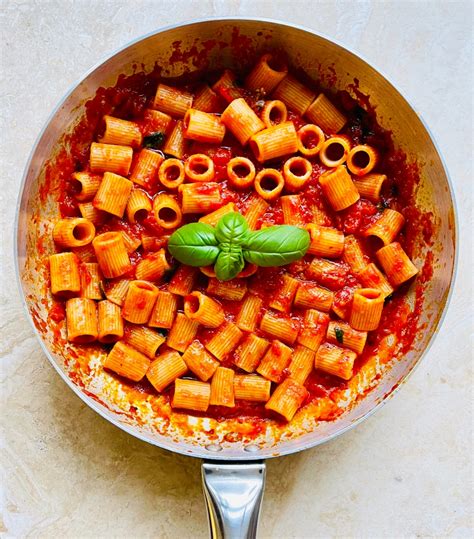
(403, 473)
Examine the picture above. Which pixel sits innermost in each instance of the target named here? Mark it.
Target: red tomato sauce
(130, 97)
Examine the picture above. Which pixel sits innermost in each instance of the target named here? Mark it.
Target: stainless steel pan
(234, 473)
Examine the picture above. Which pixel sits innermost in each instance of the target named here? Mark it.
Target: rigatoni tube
(81, 320)
(127, 362)
(367, 307)
(203, 309)
(139, 302)
(165, 369)
(73, 232)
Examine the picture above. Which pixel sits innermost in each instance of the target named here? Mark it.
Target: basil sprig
(231, 243)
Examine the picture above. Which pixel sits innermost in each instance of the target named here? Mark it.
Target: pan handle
(233, 495)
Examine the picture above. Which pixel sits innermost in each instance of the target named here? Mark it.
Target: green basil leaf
(154, 140)
(276, 245)
(339, 333)
(230, 262)
(232, 228)
(194, 244)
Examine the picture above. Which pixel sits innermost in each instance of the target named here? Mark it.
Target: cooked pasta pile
(257, 337)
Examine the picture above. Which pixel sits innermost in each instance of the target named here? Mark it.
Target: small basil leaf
(339, 333)
(154, 140)
(232, 228)
(276, 245)
(229, 263)
(194, 244)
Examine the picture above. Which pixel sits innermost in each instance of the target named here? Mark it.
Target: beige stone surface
(405, 472)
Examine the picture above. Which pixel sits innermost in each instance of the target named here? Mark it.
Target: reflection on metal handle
(233, 497)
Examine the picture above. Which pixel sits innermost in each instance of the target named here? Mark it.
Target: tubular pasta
(111, 254)
(165, 369)
(274, 113)
(138, 206)
(274, 142)
(110, 322)
(275, 361)
(269, 183)
(387, 226)
(117, 291)
(241, 120)
(139, 302)
(214, 217)
(249, 312)
(199, 168)
(338, 188)
(371, 277)
(296, 96)
(172, 101)
(199, 361)
(183, 280)
(121, 132)
(92, 214)
(81, 320)
(207, 100)
(199, 198)
(367, 307)
(336, 361)
(310, 140)
(191, 395)
(283, 299)
(301, 365)
(266, 74)
(88, 184)
(110, 158)
(224, 341)
(323, 113)
(227, 88)
(176, 144)
(64, 271)
(90, 280)
(203, 309)
(255, 210)
(309, 296)
(167, 211)
(73, 232)
(251, 388)
(182, 332)
(241, 172)
(203, 127)
(153, 266)
(296, 171)
(146, 167)
(144, 340)
(362, 159)
(164, 311)
(283, 328)
(287, 398)
(396, 264)
(290, 205)
(341, 333)
(325, 241)
(171, 173)
(222, 388)
(233, 290)
(127, 362)
(334, 151)
(113, 193)
(313, 329)
(249, 353)
(370, 185)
